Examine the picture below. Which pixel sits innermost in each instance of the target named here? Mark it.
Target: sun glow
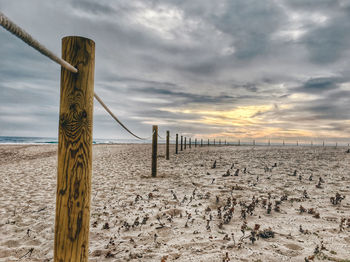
(239, 116)
(243, 122)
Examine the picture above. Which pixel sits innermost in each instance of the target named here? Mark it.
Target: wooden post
(225, 142)
(189, 142)
(323, 144)
(177, 144)
(269, 142)
(283, 143)
(214, 142)
(201, 142)
(297, 143)
(185, 144)
(181, 144)
(208, 142)
(154, 150)
(167, 144)
(253, 142)
(75, 152)
(239, 142)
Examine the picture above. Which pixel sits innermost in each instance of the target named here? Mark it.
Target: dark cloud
(93, 7)
(320, 84)
(155, 59)
(328, 44)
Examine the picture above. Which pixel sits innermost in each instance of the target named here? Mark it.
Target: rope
(116, 118)
(27, 38)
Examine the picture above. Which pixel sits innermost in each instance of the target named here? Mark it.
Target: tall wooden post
(75, 152)
(154, 150)
(189, 142)
(225, 142)
(195, 142)
(167, 144)
(185, 144)
(214, 142)
(201, 142)
(208, 142)
(177, 144)
(181, 145)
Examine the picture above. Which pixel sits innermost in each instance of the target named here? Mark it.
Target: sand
(174, 217)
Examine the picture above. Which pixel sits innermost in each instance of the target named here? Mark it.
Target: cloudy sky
(230, 69)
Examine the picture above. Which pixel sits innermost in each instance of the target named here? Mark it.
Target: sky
(225, 69)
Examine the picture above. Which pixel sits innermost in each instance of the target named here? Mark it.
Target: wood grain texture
(167, 145)
(177, 144)
(154, 150)
(75, 152)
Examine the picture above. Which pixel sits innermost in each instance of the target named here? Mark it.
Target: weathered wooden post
(189, 142)
(195, 142)
(177, 144)
(214, 142)
(225, 142)
(208, 142)
(154, 150)
(74, 151)
(185, 144)
(181, 145)
(219, 142)
(167, 145)
(239, 142)
(201, 142)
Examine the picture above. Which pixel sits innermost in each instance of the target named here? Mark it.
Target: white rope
(116, 118)
(27, 38)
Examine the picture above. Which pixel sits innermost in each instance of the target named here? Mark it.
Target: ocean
(50, 140)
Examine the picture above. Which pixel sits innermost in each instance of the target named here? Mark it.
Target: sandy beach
(257, 204)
